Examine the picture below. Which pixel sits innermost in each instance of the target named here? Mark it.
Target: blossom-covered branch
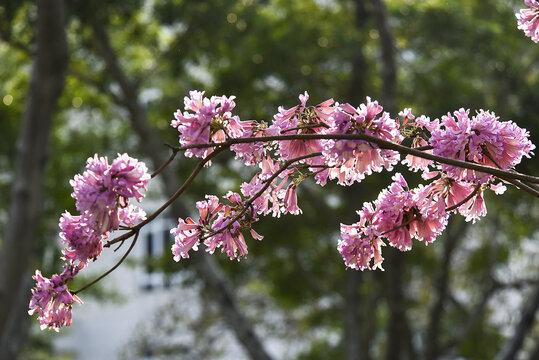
(460, 156)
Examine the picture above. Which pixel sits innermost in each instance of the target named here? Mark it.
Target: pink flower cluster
(51, 299)
(102, 192)
(528, 19)
(301, 119)
(205, 121)
(398, 215)
(102, 196)
(220, 225)
(395, 218)
(351, 160)
(481, 139)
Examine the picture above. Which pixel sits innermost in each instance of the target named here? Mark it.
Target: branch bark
(206, 266)
(46, 85)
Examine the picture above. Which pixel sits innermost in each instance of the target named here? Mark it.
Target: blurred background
(105, 76)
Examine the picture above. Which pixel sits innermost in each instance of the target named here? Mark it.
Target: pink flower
(128, 177)
(432, 217)
(528, 20)
(356, 247)
(271, 199)
(353, 159)
(305, 118)
(451, 192)
(131, 215)
(291, 200)
(205, 121)
(230, 240)
(52, 301)
(403, 214)
(360, 242)
(215, 226)
(395, 210)
(187, 234)
(481, 139)
(186, 237)
(83, 243)
(474, 208)
(407, 116)
(103, 190)
(92, 192)
(416, 163)
(208, 209)
(253, 153)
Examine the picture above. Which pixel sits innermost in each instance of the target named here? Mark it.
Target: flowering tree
(460, 157)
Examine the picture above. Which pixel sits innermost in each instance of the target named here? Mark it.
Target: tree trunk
(399, 345)
(207, 268)
(524, 326)
(356, 335)
(46, 84)
(454, 232)
(388, 54)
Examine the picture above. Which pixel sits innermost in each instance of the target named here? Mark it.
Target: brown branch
(424, 148)
(518, 184)
(166, 163)
(309, 126)
(176, 195)
(383, 144)
(112, 268)
(522, 186)
(247, 205)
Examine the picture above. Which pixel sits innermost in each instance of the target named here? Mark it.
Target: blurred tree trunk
(399, 345)
(353, 339)
(207, 268)
(387, 54)
(362, 19)
(356, 339)
(399, 334)
(455, 230)
(46, 84)
(525, 325)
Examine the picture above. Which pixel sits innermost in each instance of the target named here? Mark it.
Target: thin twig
(475, 190)
(187, 182)
(246, 206)
(522, 186)
(424, 148)
(165, 164)
(401, 225)
(112, 268)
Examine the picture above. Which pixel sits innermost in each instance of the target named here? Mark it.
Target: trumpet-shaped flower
(52, 301)
(481, 139)
(528, 19)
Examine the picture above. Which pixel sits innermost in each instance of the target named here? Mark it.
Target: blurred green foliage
(451, 54)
